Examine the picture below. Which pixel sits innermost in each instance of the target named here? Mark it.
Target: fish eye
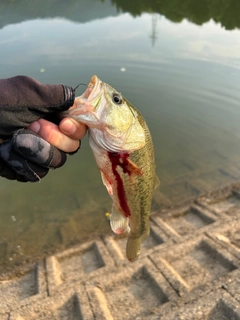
(117, 98)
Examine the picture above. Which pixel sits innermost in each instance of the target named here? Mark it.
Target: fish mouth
(82, 108)
(93, 88)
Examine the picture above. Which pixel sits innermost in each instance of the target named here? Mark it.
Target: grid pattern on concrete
(189, 268)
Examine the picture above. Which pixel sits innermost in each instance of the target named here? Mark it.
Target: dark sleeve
(24, 100)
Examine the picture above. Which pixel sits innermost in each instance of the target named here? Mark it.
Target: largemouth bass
(123, 150)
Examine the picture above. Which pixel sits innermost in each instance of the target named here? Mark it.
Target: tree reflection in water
(225, 12)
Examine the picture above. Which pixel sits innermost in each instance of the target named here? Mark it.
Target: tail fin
(133, 248)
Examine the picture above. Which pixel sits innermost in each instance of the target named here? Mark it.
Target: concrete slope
(189, 268)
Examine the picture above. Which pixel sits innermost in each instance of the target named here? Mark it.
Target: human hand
(66, 136)
(27, 154)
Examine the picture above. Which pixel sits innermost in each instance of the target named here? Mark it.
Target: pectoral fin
(118, 222)
(133, 168)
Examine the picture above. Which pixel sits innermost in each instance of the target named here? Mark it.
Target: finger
(25, 170)
(51, 133)
(6, 171)
(73, 128)
(37, 150)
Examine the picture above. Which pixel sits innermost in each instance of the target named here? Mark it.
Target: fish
(123, 150)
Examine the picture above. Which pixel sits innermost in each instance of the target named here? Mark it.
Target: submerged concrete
(189, 268)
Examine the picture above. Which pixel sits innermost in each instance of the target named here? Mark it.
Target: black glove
(24, 155)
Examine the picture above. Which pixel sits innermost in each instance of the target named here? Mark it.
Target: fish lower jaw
(80, 101)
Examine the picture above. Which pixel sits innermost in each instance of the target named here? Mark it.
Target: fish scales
(141, 197)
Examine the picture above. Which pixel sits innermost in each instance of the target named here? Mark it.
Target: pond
(177, 61)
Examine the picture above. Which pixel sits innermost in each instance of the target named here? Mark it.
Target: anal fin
(118, 222)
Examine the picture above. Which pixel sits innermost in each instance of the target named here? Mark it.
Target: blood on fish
(118, 159)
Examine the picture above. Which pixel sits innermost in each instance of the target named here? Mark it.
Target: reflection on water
(184, 78)
(199, 12)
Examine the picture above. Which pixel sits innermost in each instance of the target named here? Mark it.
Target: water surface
(176, 61)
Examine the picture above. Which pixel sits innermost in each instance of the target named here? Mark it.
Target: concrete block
(66, 305)
(194, 263)
(185, 221)
(130, 292)
(25, 287)
(77, 264)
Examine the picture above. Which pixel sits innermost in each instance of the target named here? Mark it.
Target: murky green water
(177, 61)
